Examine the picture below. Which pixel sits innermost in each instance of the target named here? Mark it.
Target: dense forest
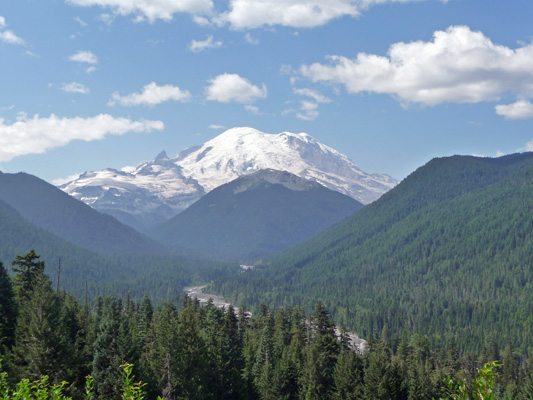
(446, 253)
(185, 351)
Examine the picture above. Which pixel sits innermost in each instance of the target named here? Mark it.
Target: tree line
(186, 351)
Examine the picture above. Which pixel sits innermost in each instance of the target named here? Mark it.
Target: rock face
(161, 188)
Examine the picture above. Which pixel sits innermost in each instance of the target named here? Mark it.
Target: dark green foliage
(163, 277)
(207, 353)
(8, 311)
(251, 217)
(446, 253)
(43, 345)
(27, 269)
(55, 211)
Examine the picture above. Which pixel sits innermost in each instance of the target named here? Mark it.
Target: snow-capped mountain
(162, 187)
(154, 192)
(240, 151)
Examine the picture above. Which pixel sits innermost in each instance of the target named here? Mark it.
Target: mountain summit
(161, 188)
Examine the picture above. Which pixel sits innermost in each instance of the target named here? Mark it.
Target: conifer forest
(56, 347)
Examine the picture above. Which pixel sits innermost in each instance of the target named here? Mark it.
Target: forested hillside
(187, 352)
(256, 215)
(447, 252)
(163, 277)
(55, 211)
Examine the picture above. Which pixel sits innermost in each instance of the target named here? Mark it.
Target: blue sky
(90, 84)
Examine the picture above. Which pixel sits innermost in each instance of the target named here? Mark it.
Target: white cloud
(150, 10)
(250, 39)
(214, 126)
(233, 88)
(80, 21)
(318, 97)
(522, 109)
(37, 135)
(253, 109)
(310, 108)
(458, 66)
(250, 14)
(87, 57)
(62, 181)
(8, 36)
(196, 46)
(529, 146)
(107, 19)
(90, 70)
(151, 95)
(75, 87)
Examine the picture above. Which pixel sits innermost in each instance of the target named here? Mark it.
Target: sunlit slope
(448, 252)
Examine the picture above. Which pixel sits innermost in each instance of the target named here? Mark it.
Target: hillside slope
(53, 210)
(446, 253)
(256, 215)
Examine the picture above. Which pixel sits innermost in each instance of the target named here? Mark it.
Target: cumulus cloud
(522, 109)
(37, 135)
(196, 46)
(228, 88)
(529, 146)
(214, 126)
(150, 10)
(251, 14)
(75, 87)
(87, 57)
(457, 66)
(151, 95)
(309, 109)
(8, 36)
(253, 109)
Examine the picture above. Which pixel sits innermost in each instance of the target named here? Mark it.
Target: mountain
(51, 209)
(447, 253)
(161, 188)
(163, 278)
(255, 215)
(154, 192)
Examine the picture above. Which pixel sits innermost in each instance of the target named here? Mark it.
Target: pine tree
(26, 269)
(8, 311)
(349, 376)
(106, 360)
(43, 345)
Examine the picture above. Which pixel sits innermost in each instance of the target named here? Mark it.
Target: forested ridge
(186, 351)
(82, 269)
(252, 217)
(51, 209)
(447, 252)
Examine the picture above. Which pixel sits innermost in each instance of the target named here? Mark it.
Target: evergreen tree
(191, 369)
(26, 269)
(43, 345)
(8, 311)
(349, 376)
(106, 359)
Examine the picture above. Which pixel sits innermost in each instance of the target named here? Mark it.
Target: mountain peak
(161, 156)
(239, 151)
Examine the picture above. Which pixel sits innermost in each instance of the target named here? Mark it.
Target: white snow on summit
(240, 151)
(162, 187)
